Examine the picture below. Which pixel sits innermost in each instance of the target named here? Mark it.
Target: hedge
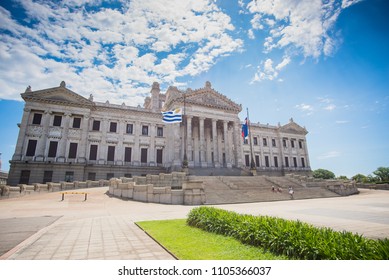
(295, 239)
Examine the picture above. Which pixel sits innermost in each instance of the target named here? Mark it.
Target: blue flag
(245, 129)
(173, 116)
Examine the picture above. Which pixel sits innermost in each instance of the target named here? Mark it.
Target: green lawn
(189, 243)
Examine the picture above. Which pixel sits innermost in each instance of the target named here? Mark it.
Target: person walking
(291, 192)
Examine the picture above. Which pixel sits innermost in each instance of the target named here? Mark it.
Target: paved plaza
(42, 227)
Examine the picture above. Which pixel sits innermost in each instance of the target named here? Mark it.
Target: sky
(323, 63)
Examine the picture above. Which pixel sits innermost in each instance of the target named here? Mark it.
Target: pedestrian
(291, 192)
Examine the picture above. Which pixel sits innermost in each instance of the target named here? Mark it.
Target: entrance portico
(210, 142)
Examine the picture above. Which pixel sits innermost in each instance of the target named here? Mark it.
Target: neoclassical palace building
(64, 137)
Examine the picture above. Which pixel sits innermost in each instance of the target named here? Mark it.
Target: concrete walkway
(42, 227)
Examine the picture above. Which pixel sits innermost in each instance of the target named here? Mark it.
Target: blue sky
(324, 63)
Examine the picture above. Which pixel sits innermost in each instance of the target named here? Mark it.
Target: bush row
(295, 239)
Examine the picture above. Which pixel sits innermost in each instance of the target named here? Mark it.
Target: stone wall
(174, 188)
(341, 187)
(373, 186)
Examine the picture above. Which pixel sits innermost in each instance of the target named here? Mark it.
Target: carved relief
(35, 131)
(74, 133)
(55, 132)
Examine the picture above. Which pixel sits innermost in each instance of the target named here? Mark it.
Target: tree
(359, 178)
(382, 173)
(323, 174)
(342, 177)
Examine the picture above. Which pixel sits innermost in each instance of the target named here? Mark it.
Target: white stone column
(41, 146)
(214, 144)
(103, 149)
(120, 147)
(22, 135)
(240, 142)
(237, 161)
(136, 150)
(61, 155)
(202, 143)
(307, 161)
(226, 144)
(177, 145)
(189, 138)
(152, 151)
(84, 139)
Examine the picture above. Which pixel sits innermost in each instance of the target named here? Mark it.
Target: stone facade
(66, 137)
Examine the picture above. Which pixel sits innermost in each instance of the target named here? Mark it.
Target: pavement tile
(103, 227)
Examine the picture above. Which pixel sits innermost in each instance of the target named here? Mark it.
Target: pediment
(58, 95)
(209, 98)
(293, 128)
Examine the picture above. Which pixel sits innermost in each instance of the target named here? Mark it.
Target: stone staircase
(244, 189)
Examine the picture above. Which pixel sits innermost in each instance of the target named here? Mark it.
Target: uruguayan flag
(173, 116)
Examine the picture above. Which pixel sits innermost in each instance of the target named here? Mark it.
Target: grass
(190, 243)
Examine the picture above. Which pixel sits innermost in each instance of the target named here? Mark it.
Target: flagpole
(185, 161)
(252, 163)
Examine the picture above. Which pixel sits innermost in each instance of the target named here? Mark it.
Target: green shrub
(294, 239)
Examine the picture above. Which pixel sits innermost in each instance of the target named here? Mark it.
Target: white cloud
(266, 71)
(342, 122)
(330, 107)
(251, 35)
(306, 108)
(107, 50)
(331, 154)
(298, 27)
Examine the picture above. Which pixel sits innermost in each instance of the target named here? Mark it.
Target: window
(57, 120)
(286, 161)
(264, 142)
(159, 156)
(145, 130)
(302, 162)
(255, 140)
(24, 177)
(31, 148)
(300, 144)
(160, 131)
(257, 161)
(273, 142)
(284, 143)
(292, 143)
(128, 175)
(267, 161)
(143, 155)
(76, 122)
(127, 154)
(53, 149)
(295, 162)
(275, 161)
(69, 176)
(47, 176)
(96, 126)
(247, 160)
(111, 153)
(110, 176)
(73, 150)
(93, 152)
(92, 176)
(129, 129)
(113, 127)
(245, 141)
(37, 119)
